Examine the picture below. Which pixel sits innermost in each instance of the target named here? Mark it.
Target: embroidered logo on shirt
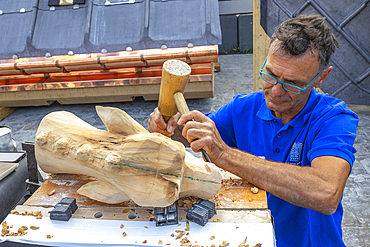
(296, 152)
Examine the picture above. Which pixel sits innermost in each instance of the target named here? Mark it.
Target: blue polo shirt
(324, 127)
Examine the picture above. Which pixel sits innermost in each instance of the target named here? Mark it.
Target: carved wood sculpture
(127, 161)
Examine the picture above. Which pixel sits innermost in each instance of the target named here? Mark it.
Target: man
(306, 137)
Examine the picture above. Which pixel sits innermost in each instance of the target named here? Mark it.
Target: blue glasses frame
(284, 83)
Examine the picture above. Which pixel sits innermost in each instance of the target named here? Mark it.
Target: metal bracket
(33, 172)
(201, 211)
(166, 216)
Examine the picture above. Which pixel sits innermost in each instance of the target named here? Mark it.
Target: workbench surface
(241, 215)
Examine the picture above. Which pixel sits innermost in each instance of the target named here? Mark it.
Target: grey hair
(303, 32)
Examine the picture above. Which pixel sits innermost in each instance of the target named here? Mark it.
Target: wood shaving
(50, 193)
(213, 237)
(179, 236)
(224, 243)
(187, 226)
(34, 227)
(172, 235)
(49, 236)
(243, 243)
(14, 212)
(258, 245)
(121, 226)
(146, 227)
(160, 242)
(185, 242)
(144, 242)
(254, 190)
(124, 234)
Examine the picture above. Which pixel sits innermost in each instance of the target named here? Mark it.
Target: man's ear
(324, 74)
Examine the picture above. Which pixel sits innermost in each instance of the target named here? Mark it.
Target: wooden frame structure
(101, 77)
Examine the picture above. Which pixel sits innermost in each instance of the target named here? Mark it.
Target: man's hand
(157, 124)
(201, 132)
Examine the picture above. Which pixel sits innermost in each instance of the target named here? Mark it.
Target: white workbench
(232, 226)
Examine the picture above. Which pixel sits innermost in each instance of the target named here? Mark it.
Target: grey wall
(349, 20)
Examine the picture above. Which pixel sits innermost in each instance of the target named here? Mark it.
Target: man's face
(296, 70)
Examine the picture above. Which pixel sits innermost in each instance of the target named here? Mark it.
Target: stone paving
(235, 77)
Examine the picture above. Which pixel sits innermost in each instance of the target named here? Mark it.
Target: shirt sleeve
(336, 138)
(223, 119)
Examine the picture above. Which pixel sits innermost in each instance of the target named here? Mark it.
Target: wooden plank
(261, 42)
(234, 194)
(84, 95)
(7, 168)
(6, 111)
(360, 108)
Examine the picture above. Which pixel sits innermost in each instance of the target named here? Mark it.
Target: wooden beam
(261, 44)
(360, 108)
(6, 111)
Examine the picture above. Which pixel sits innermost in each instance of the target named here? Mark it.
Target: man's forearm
(314, 187)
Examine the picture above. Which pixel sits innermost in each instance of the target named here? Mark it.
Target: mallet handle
(183, 108)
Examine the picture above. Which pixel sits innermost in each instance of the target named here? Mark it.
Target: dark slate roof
(32, 28)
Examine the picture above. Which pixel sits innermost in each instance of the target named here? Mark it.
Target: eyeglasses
(287, 86)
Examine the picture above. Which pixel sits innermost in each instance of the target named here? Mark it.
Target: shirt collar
(264, 112)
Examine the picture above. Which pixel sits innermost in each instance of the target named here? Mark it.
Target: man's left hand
(201, 132)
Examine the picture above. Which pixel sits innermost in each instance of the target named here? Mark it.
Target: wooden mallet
(175, 75)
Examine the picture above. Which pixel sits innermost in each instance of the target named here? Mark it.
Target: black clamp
(64, 209)
(166, 216)
(201, 211)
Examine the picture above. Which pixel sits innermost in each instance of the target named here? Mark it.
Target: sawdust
(6, 232)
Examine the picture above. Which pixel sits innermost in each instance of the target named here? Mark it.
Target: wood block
(6, 111)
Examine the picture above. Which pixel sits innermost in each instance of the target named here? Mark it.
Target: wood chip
(224, 243)
(34, 227)
(187, 226)
(124, 234)
(254, 190)
(144, 242)
(49, 236)
(160, 242)
(121, 226)
(243, 243)
(213, 237)
(50, 193)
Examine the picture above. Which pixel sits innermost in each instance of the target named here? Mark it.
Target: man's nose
(278, 90)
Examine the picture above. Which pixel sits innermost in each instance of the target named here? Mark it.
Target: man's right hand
(157, 124)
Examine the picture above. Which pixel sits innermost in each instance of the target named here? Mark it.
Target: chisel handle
(183, 108)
